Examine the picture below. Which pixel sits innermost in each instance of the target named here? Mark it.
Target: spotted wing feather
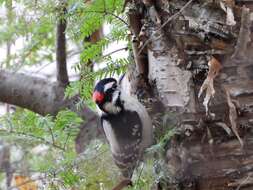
(124, 139)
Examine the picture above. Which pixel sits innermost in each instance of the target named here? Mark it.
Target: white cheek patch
(108, 86)
(111, 106)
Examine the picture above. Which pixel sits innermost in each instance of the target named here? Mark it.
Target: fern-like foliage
(59, 166)
(91, 16)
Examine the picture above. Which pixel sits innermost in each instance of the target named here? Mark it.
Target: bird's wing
(132, 103)
(122, 130)
(124, 137)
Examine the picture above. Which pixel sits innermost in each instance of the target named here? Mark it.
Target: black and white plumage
(126, 123)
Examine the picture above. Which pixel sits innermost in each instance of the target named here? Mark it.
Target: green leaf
(67, 118)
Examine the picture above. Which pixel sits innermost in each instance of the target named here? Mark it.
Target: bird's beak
(98, 97)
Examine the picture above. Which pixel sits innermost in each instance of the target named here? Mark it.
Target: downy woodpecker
(126, 123)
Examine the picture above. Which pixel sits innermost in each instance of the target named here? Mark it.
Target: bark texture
(138, 31)
(206, 152)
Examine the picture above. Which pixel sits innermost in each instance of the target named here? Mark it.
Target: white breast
(109, 133)
(132, 104)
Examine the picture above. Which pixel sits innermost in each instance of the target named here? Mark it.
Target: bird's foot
(122, 184)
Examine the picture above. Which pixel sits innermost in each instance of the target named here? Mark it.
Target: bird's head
(107, 96)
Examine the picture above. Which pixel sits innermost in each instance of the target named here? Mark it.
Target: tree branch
(61, 57)
(112, 14)
(44, 97)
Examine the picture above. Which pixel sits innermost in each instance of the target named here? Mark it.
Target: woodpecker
(126, 124)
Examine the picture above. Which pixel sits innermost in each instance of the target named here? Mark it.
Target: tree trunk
(203, 46)
(5, 165)
(61, 57)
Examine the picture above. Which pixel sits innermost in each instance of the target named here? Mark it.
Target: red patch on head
(98, 97)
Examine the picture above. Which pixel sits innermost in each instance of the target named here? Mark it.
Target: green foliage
(91, 16)
(66, 118)
(38, 39)
(55, 132)
(143, 177)
(59, 165)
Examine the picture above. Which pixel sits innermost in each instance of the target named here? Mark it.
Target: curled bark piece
(227, 7)
(242, 182)
(233, 116)
(225, 127)
(152, 11)
(214, 68)
(154, 15)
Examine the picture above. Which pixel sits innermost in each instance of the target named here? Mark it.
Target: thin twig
(65, 143)
(164, 24)
(119, 18)
(70, 54)
(34, 137)
(43, 67)
(52, 135)
(140, 173)
(243, 182)
(113, 4)
(112, 14)
(121, 49)
(104, 5)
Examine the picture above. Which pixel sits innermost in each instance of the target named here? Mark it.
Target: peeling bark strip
(61, 57)
(141, 59)
(214, 69)
(43, 97)
(164, 24)
(244, 36)
(233, 116)
(173, 83)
